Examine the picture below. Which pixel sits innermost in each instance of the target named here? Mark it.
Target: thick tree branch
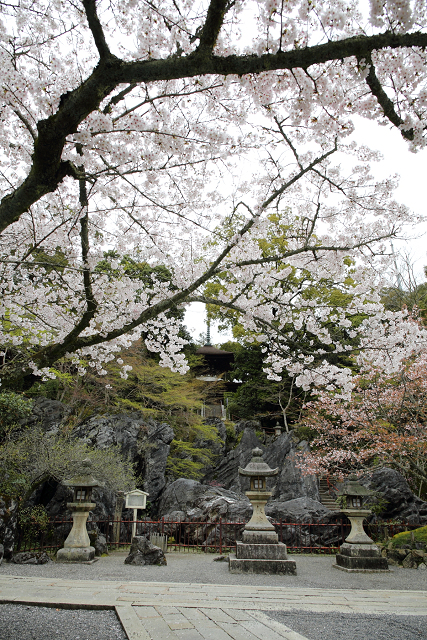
(213, 23)
(384, 101)
(96, 28)
(48, 170)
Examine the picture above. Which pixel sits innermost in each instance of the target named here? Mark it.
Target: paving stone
(237, 632)
(158, 629)
(184, 624)
(188, 634)
(237, 615)
(165, 611)
(131, 623)
(218, 615)
(146, 612)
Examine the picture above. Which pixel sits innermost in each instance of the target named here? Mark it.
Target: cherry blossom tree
(146, 130)
(383, 423)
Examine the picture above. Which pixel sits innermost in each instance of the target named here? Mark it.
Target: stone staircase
(326, 498)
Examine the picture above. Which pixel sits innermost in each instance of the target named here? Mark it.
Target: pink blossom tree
(384, 423)
(148, 130)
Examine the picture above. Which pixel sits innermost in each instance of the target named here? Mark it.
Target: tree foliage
(384, 423)
(128, 128)
(34, 456)
(14, 408)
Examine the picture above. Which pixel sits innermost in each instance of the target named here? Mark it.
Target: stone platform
(261, 558)
(360, 557)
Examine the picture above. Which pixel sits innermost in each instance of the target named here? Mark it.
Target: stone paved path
(189, 611)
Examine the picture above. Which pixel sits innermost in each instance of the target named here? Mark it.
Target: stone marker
(143, 552)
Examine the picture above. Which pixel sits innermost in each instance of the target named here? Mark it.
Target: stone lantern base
(77, 554)
(77, 546)
(360, 557)
(261, 558)
(359, 553)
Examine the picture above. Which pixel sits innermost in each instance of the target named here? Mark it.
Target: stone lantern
(359, 552)
(77, 546)
(260, 551)
(277, 430)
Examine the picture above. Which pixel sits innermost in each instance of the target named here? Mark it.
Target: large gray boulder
(226, 472)
(279, 452)
(298, 510)
(146, 442)
(401, 503)
(190, 500)
(290, 483)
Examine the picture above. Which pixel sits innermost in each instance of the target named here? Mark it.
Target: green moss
(400, 539)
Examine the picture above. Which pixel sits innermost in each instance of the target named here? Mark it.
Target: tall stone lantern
(260, 551)
(77, 546)
(359, 552)
(259, 530)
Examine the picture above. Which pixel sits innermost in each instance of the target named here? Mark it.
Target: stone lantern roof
(257, 466)
(353, 488)
(84, 478)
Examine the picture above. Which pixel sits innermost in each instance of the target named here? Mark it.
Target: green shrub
(400, 539)
(14, 407)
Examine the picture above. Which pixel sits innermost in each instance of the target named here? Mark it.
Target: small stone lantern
(359, 552)
(77, 546)
(260, 551)
(277, 430)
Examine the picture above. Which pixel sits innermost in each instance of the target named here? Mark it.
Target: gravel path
(313, 571)
(340, 626)
(19, 622)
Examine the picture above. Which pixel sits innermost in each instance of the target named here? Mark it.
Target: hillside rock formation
(220, 494)
(400, 502)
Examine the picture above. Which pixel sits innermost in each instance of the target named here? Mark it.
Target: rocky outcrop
(226, 471)
(31, 557)
(400, 502)
(143, 552)
(219, 494)
(8, 524)
(190, 501)
(290, 483)
(277, 452)
(298, 510)
(48, 413)
(147, 443)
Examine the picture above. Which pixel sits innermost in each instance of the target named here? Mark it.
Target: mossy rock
(404, 538)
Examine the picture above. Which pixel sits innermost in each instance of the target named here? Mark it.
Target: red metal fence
(216, 536)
